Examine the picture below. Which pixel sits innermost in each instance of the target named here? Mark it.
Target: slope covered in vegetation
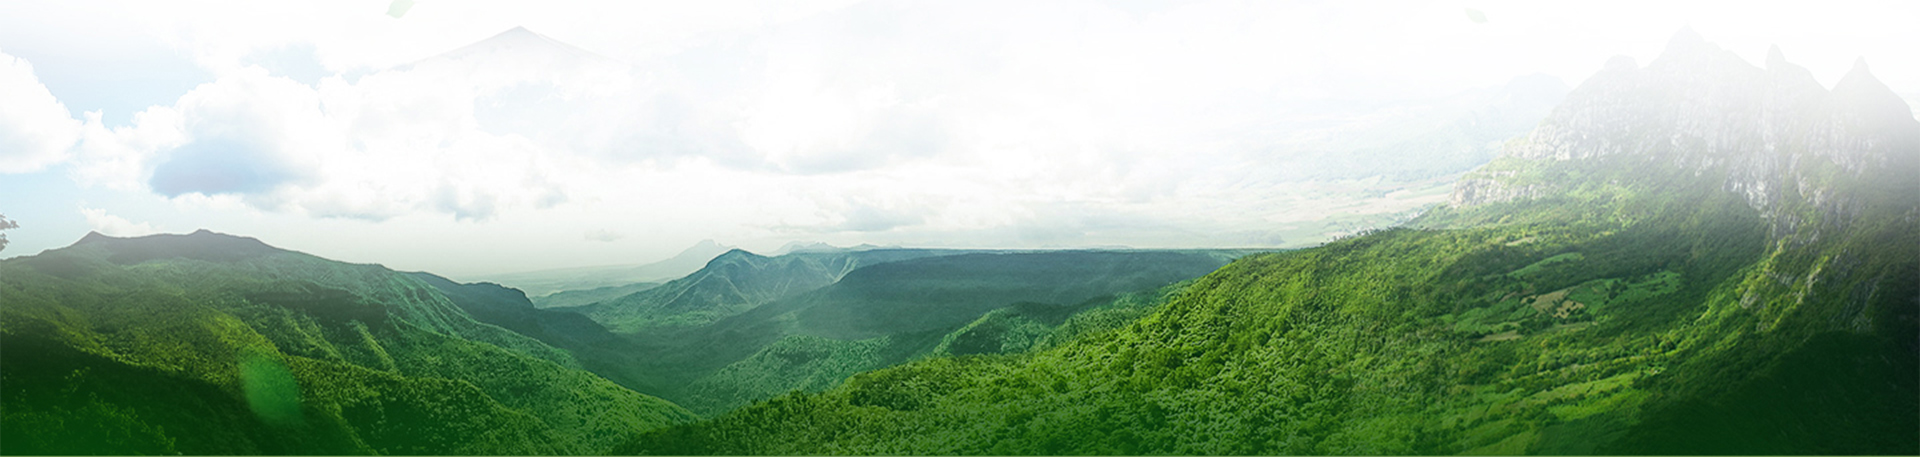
(215, 344)
(749, 327)
(1697, 256)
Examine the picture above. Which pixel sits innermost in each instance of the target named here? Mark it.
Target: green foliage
(209, 344)
(1605, 318)
(6, 224)
(1537, 267)
(900, 306)
(1000, 331)
(795, 362)
(271, 391)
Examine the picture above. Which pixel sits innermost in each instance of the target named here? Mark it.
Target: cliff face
(1791, 147)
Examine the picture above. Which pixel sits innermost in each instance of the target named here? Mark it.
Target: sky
(479, 137)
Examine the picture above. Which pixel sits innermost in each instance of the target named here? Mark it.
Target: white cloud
(107, 224)
(35, 129)
(890, 121)
(405, 140)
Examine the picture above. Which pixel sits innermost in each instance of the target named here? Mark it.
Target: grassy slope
(215, 344)
(1695, 332)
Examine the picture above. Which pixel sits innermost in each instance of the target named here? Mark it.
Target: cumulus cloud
(891, 114)
(897, 121)
(249, 134)
(108, 224)
(36, 130)
(423, 137)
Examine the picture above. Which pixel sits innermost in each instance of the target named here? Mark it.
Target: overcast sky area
(477, 137)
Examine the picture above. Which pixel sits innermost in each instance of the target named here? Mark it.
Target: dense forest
(749, 327)
(1620, 328)
(214, 344)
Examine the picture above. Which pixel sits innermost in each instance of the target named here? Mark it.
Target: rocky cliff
(1792, 148)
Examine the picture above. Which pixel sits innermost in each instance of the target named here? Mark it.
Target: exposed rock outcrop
(1778, 137)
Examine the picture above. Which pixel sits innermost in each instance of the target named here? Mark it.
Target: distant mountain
(818, 247)
(945, 292)
(735, 282)
(521, 46)
(216, 344)
(800, 246)
(541, 283)
(521, 41)
(583, 297)
(1697, 256)
(686, 262)
(1775, 135)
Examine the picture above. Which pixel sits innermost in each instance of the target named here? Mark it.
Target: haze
(470, 138)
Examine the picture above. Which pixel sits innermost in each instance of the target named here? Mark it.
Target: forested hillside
(1695, 256)
(889, 313)
(750, 327)
(215, 344)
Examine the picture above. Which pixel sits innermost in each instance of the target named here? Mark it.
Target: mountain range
(1697, 256)
(586, 285)
(1694, 256)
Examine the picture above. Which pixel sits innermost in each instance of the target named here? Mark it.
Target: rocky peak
(1785, 74)
(1864, 94)
(1687, 41)
(1775, 58)
(1774, 132)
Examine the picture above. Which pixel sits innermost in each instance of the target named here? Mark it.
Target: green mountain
(733, 283)
(215, 344)
(1697, 256)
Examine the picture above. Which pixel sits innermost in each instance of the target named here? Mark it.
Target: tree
(6, 224)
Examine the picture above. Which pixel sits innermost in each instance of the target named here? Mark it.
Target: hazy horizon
(473, 139)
